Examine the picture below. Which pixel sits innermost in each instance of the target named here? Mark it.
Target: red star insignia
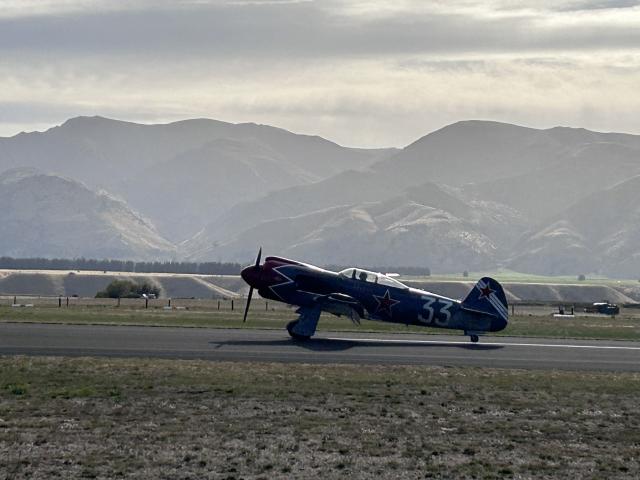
(485, 292)
(385, 303)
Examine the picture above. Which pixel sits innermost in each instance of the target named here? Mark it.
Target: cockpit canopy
(372, 277)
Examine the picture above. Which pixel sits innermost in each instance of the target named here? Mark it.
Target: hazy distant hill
(92, 147)
(538, 172)
(470, 151)
(472, 195)
(425, 226)
(599, 233)
(501, 180)
(202, 183)
(586, 169)
(481, 151)
(51, 216)
(347, 188)
(180, 172)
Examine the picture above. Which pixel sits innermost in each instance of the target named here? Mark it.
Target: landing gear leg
(474, 338)
(294, 335)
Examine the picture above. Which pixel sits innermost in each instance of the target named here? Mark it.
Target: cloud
(360, 102)
(311, 29)
(578, 5)
(359, 72)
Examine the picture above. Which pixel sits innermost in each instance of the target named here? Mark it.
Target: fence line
(236, 304)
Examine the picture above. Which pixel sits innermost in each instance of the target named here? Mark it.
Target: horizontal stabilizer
(487, 297)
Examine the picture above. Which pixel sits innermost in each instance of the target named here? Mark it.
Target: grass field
(533, 321)
(148, 419)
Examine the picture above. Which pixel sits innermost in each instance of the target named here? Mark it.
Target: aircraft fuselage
(372, 296)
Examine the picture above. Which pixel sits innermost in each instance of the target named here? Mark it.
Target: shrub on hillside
(128, 289)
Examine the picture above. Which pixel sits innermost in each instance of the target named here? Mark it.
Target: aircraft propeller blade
(246, 308)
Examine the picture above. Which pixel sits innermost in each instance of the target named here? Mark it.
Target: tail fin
(487, 297)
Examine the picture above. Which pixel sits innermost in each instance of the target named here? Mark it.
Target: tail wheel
(474, 338)
(294, 335)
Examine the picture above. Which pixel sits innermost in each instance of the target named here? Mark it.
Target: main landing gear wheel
(294, 335)
(474, 338)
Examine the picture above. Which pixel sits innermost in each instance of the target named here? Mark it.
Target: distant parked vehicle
(603, 308)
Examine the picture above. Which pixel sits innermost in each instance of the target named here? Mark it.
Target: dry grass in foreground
(111, 418)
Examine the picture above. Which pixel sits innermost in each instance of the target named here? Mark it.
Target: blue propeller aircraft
(357, 294)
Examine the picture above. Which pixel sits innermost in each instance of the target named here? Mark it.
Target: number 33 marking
(441, 317)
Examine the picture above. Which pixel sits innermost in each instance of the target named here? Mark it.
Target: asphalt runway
(326, 347)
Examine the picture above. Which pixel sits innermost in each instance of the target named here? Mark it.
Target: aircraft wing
(340, 304)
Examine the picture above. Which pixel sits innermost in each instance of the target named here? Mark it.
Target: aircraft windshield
(367, 276)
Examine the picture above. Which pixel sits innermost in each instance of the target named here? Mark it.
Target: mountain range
(183, 174)
(474, 195)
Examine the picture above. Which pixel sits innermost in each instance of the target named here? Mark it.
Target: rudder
(487, 297)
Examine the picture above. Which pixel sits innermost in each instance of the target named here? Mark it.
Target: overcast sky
(361, 73)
